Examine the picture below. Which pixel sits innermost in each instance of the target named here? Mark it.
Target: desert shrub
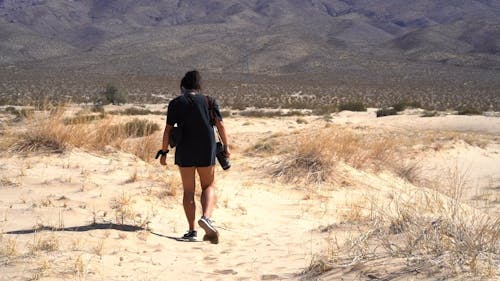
(386, 112)
(145, 147)
(352, 106)
(20, 114)
(112, 95)
(11, 110)
(469, 111)
(314, 156)
(45, 133)
(443, 243)
(50, 132)
(134, 128)
(400, 106)
(312, 161)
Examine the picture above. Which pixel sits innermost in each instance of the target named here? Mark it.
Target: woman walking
(195, 115)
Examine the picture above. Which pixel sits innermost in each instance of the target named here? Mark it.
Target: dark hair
(191, 80)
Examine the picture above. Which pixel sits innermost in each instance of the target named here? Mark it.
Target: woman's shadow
(96, 226)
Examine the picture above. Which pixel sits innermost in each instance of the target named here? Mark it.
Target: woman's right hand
(163, 160)
(227, 152)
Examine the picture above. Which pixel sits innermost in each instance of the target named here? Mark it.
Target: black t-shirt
(197, 146)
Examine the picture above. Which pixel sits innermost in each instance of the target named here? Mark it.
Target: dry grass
(145, 148)
(50, 131)
(426, 234)
(315, 156)
(98, 249)
(123, 207)
(8, 248)
(408, 170)
(46, 244)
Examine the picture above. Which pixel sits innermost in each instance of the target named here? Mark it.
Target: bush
(261, 113)
(469, 111)
(352, 106)
(112, 95)
(406, 104)
(20, 113)
(386, 112)
(134, 128)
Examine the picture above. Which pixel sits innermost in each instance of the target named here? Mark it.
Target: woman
(196, 150)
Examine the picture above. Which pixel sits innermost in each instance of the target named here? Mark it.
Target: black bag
(175, 136)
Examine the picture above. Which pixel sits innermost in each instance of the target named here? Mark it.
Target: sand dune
(86, 215)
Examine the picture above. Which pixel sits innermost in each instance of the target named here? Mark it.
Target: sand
(270, 230)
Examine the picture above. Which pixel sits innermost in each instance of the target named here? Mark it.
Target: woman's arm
(166, 140)
(222, 132)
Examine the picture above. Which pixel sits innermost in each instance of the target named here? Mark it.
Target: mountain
(260, 36)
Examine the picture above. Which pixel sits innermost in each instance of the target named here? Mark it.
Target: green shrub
(112, 95)
(386, 112)
(352, 106)
(400, 106)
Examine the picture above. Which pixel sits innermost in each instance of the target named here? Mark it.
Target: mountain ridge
(273, 36)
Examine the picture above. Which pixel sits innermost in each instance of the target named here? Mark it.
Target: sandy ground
(269, 229)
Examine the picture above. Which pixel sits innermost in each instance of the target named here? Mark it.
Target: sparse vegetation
(352, 106)
(46, 244)
(52, 132)
(425, 238)
(123, 207)
(314, 157)
(137, 111)
(400, 106)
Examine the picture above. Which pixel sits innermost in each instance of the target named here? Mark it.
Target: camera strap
(210, 105)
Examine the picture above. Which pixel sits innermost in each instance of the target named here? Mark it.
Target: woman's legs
(188, 184)
(208, 197)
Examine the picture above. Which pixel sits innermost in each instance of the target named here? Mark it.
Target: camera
(221, 156)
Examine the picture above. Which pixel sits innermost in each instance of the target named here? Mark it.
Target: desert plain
(341, 196)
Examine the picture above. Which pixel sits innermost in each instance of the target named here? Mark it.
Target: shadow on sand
(95, 226)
